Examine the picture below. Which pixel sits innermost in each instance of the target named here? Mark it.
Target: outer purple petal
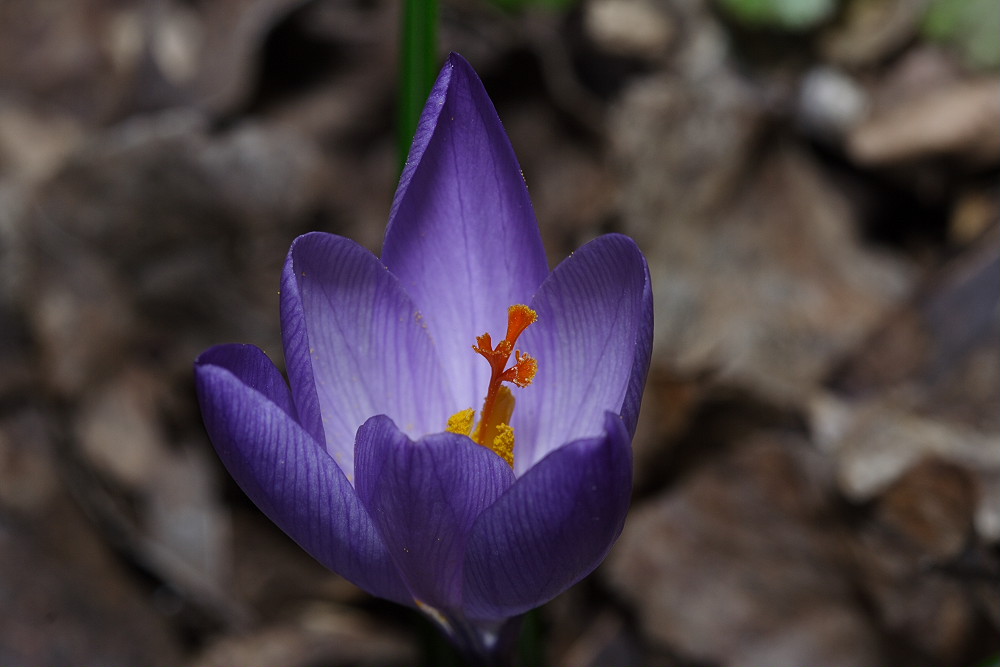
(591, 341)
(643, 354)
(355, 345)
(462, 235)
(424, 497)
(288, 475)
(552, 528)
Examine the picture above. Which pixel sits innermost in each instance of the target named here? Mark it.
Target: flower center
(493, 429)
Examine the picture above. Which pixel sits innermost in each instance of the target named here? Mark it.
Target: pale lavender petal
(552, 527)
(424, 496)
(592, 332)
(462, 237)
(355, 345)
(288, 475)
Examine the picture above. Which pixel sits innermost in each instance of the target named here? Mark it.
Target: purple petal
(355, 345)
(591, 336)
(643, 354)
(287, 474)
(254, 369)
(552, 528)
(462, 235)
(424, 497)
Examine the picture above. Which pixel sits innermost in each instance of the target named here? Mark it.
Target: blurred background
(814, 183)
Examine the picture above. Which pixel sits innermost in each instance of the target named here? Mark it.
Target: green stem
(418, 68)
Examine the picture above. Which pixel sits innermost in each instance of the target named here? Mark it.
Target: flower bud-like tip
(523, 371)
(484, 345)
(519, 318)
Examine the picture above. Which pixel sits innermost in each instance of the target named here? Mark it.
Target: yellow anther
(503, 443)
(461, 422)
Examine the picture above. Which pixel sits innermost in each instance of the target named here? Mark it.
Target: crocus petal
(643, 354)
(552, 528)
(355, 346)
(424, 497)
(462, 236)
(591, 314)
(285, 472)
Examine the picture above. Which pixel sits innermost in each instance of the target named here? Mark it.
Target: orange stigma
(493, 429)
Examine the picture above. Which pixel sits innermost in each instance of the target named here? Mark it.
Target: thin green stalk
(418, 68)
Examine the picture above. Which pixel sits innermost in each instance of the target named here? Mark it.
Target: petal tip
(457, 60)
(227, 355)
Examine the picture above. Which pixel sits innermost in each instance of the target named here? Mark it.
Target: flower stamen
(493, 429)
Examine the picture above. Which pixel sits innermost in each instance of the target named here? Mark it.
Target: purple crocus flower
(375, 460)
